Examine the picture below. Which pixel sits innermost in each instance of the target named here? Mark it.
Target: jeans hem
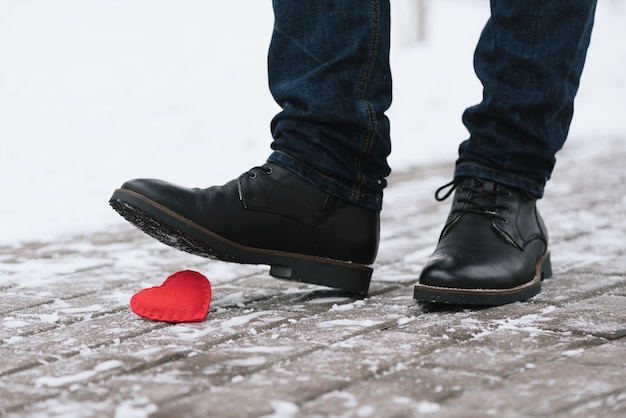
(487, 173)
(341, 191)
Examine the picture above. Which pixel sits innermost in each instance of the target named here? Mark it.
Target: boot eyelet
(268, 170)
(252, 175)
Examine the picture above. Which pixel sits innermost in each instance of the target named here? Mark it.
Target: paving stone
(15, 301)
(504, 351)
(602, 316)
(572, 286)
(406, 391)
(608, 406)
(13, 360)
(547, 389)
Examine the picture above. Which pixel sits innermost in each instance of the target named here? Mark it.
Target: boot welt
(485, 297)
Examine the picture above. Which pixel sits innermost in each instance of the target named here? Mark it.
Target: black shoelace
(473, 198)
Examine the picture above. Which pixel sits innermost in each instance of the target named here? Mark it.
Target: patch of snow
(247, 362)
(236, 379)
(428, 407)
(56, 381)
(108, 365)
(345, 307)
(365, 411)
(283, 409)
(228, 324)
(347, 323)
(573, 353)
(326, 300)
(14, 323)
(136, 408)
(64, 380)
(14, 339)
(405, 320)
(49, 318)
(186, 332)
(266, 350)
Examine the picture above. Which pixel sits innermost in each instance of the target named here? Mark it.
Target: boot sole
(183, 234)
(486, 297)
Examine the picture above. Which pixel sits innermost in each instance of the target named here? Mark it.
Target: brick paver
(70, 345)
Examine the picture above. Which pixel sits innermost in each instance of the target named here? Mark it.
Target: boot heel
(353, 278)
(546, 267)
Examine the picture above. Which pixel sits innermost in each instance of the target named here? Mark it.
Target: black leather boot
(493, 248)
(266, 216)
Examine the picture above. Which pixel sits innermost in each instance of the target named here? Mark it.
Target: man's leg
(312, 211)
(494, 246)
(329, 72)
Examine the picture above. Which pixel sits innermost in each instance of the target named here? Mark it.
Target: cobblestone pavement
(71, 346)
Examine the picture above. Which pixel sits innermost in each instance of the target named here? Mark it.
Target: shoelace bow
(475, 199)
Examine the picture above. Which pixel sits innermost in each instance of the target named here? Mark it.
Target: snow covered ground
(93, 93)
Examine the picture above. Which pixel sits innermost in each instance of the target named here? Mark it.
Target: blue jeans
(329, 71)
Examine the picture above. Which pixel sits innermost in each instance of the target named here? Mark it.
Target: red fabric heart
(185, 296)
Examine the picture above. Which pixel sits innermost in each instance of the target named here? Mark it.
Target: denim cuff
(476, 170)
(330, 186)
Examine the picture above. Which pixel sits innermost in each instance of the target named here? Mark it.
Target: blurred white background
(96, 92)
